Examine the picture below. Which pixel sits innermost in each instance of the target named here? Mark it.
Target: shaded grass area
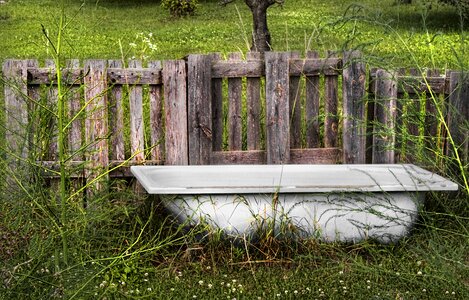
(104, 29)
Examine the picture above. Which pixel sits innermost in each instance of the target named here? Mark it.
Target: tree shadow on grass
(439, 18)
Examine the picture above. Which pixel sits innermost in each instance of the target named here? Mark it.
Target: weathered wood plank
(74, 107)
(199, 109)
(385, 116)
(34, 118)
(137, 127)
(238, 157)
(312, 106)
(235, 69)
(331, 121)
(235, 126)
(253, 86)
(16, 111)
(116, 108)
(75, 139)
(48, 76)
(354, 122)
(96, 125)
(134, 75)
(431, 115)
(316, 156)
(52, 95)
(458, 115)
(313, 66)
(297, 156)
(156, 116)
(277, 108)
(175, 104)
(295, 107)
(217, 109)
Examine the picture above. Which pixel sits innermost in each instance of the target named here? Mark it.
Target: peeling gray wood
(175, 103)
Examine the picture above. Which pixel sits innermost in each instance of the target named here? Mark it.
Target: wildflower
(201, 282)
(295, 292)
(419, 273)
(424, 290)
(149, 289)
(146, 274)
(419, 263)
(209, 285)
(172, 289)
(133, 45)
(234, 280)
(341, 272)
(368, 287)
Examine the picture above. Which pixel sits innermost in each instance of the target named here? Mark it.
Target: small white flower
(209, 285)
(149, 289)
(419, 273)
(295, 292)
(424, 290)
(146, 274)
(201, 282)
(341, 272)
(133, 45)
(172, 289)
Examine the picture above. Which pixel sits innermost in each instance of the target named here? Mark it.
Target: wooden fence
(277, 109)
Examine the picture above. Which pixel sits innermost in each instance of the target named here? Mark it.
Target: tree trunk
(260, 34)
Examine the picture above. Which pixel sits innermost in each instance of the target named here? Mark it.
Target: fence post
(354, 126)
(16, 110)
(17, 136)
(137, 143)
(175, 109)
(199, 106)
(277, 107)
(385, 117)
(96, 126)
(458, 114)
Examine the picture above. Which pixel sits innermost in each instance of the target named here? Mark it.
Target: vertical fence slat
(52, 94)
(312, 107)
(34, 94)
(16, 111)
(75, 132)
(412, 120)
(175, 104)
(199, 109)
(458, 115)
(385, 117)
(295, 108)
(96, 124)
(217, 109)
(431, 117)
(235, 89)
(156, 116)
(330, 109)
(354, 122)
(277, 108)
(117, 117)
(137, 143)
(253, 86)
(74, 106)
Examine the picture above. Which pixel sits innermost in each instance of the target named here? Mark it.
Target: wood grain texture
(295, 106)
(253, 86)
(277, 108)
(385, 118)
(312, 106)
(199, 109)
(116, 110)
(175, 103)
(235, 125)
(217, 108)
(353, 97)
(137, 127)
(331, 120)
(156, 116)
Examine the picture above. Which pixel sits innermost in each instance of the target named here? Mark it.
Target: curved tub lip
(288, 178)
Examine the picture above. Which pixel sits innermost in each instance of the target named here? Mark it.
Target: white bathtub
(329, 202)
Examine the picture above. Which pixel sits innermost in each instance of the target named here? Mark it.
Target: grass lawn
(129, 248)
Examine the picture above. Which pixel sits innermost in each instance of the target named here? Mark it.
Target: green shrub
(180, 8)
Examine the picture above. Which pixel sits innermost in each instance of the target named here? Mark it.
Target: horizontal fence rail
(277, 108)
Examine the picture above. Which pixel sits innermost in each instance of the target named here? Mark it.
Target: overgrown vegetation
(128, 247)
